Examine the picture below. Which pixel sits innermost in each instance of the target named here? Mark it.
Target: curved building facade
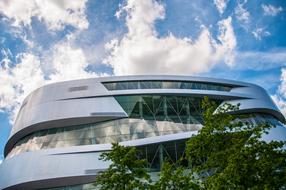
(62, 128)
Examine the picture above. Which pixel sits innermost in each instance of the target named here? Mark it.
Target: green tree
(229, 154)
(126, 172)
(225, 154)
(175, 177)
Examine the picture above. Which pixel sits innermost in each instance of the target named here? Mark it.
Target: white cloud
(68, 62)
(270, 10)
(228, 42)
(282, 87)
(54, 13)
(63, 62)
(258, 33)
(259, 60)
(6, 54)
(280, 97)
(241, 13)
(16, 82)
(142, 51)
(280, 102)
(220, 5)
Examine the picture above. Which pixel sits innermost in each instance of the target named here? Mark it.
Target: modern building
(62, 128)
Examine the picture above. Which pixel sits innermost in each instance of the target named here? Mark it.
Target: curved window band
(111, 131)
(100, 133)
(148, 116)
(131, 85)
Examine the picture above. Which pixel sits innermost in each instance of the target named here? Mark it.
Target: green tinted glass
(177, 109)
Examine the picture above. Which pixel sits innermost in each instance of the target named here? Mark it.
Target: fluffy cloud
(280, 97)
(36, 67)
(16, 82)
(63, 62)
(68, 62)
(142, 51)
(54, 13)
(280, 102)
(270, 10)
(220, 5)
(227, 42)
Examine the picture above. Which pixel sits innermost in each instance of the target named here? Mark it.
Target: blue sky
(55, 40)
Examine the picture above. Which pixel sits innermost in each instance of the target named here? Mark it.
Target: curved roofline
(174, 77)
(118, 78)
(158, 77)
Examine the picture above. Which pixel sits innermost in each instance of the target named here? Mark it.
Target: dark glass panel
(122, 86)
(161, 114)
(186, 85)
(169, 152)
(146, 85)
(126, 85)
(133, 85)
(157, 84)
(164, 108)
(153, 156)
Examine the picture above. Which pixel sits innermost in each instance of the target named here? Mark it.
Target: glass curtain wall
(154, 154)
(176, 109)
(149, 116)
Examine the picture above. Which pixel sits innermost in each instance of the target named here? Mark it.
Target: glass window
(148, 116)
(100, 133)
(126, 85)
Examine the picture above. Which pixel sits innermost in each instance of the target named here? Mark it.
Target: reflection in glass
(154, 154)
(148, 116)
(101, 133)
(128, 85)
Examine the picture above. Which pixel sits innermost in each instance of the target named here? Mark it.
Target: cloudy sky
(45, 41)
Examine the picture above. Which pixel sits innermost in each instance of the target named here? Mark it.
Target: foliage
(126, 172)
(225, 154)
(174, 177)
(229, 154)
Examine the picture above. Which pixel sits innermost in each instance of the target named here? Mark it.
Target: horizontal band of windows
(128, 85)
(100, 133)
(112, 131)
(148, 116)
